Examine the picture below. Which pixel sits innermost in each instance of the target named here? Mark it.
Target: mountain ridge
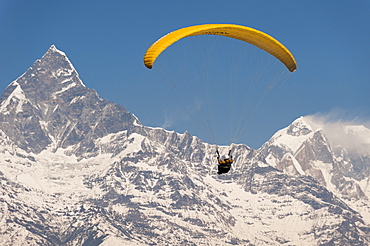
(79, 170)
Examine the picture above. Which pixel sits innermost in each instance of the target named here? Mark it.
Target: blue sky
(106, 41)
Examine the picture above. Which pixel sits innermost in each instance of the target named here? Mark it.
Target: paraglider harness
(225, 164)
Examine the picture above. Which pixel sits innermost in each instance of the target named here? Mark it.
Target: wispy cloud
(343, 129)
(168, 120)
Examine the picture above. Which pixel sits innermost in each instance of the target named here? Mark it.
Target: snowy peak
(299, 128)
(54, 52)
(289, 138)
(355, 138)
(336, 154)
(358, 130)
(64, 66)
(49, 106)
(53, 49)
(49, 78)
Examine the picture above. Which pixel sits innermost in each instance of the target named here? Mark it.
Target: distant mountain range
(76, 169)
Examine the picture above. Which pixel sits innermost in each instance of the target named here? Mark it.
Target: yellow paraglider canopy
(247, 34)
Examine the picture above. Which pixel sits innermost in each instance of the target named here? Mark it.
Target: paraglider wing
(247, 34)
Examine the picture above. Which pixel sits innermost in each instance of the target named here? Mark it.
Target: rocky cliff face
(79, 170)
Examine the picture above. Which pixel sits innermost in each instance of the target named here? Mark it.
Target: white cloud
(343, 129)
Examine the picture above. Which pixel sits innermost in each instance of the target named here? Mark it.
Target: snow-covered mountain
(76, 169)
(336, 155)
